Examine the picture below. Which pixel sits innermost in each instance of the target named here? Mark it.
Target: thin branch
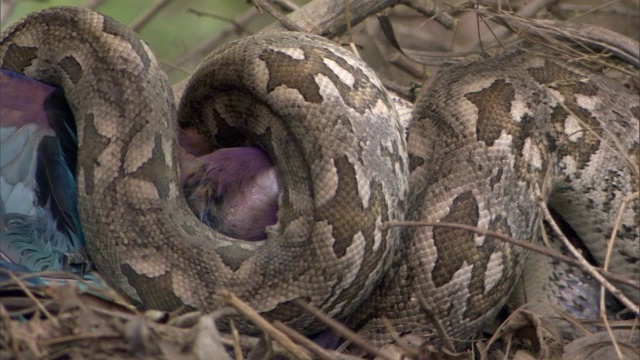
(344, 331)
(232, 300)
(584, 264)
(143, 19)
(314, 348)
(524, 244)
(6, 9)
(265, 5)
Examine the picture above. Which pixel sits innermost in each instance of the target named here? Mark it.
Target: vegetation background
(173, 32)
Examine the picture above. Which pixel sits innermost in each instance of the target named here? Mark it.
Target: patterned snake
(486, 141)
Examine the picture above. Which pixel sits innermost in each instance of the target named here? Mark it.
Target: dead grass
(79, 320)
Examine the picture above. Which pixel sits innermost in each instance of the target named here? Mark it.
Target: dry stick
(233, 22)
(327, 16)
(410, 351)
(286, 5)
(526, 11)
(607, 259)
(13, 332)
(7, 7)
(430, 314)
(584, 264)
(232, 300)
(143, 19)
(265, 5)
(324, 15)
(603, 315)
(352, 44)
(525, 244)
(92, 4)
(343, 330)
(593, 10)
(237, 350)
(30, 295)
(240, 24)
(558, 35)
(314, 348)
(431, 9)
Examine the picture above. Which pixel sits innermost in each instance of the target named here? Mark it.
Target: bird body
(234, 190)
(38, 205)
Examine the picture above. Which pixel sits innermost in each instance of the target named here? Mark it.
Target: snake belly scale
(500, 133)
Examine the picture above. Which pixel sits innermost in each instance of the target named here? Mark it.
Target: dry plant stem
(151, 11)
(410, 351)
(314, 348)
(593, 9)
(584, 264)
(92, 4)
(603, 315)
(242, 307)
(35, 300)
(344, 331)
(430, 9)
(239, 26)
(554, 34)
(436, 323)
(352, 44)
(265, 5)
(11, 328)
(237, 350)
(614, 7)
(525, 244)
(77, 337)
(6, 9)
(286, 5)
(327, 16)
(526, 11)
(610, 245)
(616, 226)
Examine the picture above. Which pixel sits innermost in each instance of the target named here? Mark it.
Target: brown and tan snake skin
(487, 139)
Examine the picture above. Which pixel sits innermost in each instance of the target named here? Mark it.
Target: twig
(314, 348)
(232, 300)
(605, 266)
(237, 350)
(343, 331)
(584, 264)
(327, 16)
(265, 5)
(398, 340)
(430, 314)
(352, 44)
(525, 244)
(92, 4)
(526, 11)
(286, 5)
(239, 27)
(431, 9)
(240, 24)
(559, 36)
(143, 19)
(30, 295)
(6, 9)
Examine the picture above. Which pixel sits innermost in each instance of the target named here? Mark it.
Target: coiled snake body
(486, 141)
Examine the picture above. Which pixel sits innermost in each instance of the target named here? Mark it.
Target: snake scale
(486, 140)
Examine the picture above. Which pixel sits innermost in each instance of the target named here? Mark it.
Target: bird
(233, 190)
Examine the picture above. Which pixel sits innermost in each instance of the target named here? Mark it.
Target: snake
(487, 141)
